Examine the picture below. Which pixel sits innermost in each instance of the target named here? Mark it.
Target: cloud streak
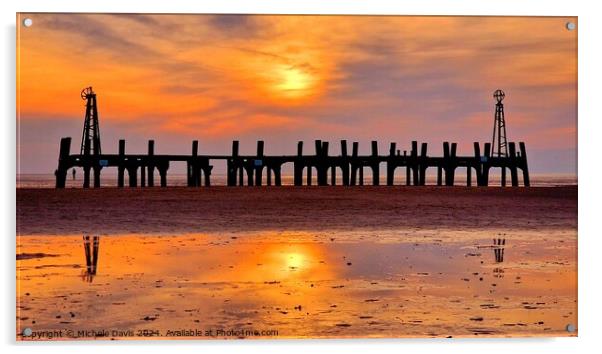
(287, 78)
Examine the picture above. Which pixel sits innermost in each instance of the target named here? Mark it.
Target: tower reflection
(498, 251)
(91, 252)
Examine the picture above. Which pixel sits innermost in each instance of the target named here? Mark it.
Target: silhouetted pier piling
(250, 170)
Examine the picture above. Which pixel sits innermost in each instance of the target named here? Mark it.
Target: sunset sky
(216, 78)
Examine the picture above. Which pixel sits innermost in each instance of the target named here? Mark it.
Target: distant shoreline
(179, 180)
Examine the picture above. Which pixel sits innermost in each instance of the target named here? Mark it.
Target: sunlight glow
(294, 260)
(294, 82)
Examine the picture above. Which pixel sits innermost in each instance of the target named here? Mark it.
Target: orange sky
(175, 78)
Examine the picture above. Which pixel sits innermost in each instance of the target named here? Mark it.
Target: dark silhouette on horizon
(253, 167)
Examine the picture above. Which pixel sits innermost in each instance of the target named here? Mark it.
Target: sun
(294, 82)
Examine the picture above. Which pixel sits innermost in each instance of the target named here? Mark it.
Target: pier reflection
(498, 249)
(91, 252)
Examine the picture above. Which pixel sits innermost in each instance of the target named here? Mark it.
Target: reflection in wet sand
(498, 249)
(91, 258)
(300, 288)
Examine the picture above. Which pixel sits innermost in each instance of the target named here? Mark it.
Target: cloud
(239, 26)
(94, 35)
(216, 77)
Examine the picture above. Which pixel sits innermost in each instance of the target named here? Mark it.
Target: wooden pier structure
(249, 169)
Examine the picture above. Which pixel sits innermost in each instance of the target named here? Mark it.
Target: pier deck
(249, 169)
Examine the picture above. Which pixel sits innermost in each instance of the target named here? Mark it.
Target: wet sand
(156, 210)
(307, 263)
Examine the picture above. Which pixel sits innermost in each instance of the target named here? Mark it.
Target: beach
(288, 262)
(175, 210)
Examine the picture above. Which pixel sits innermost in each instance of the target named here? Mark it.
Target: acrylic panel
(277, 176)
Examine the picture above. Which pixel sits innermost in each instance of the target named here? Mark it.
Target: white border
(590, 61)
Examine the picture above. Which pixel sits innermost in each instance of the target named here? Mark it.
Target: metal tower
(499, 149)
(91, 133)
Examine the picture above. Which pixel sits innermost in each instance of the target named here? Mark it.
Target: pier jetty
(261, 169)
